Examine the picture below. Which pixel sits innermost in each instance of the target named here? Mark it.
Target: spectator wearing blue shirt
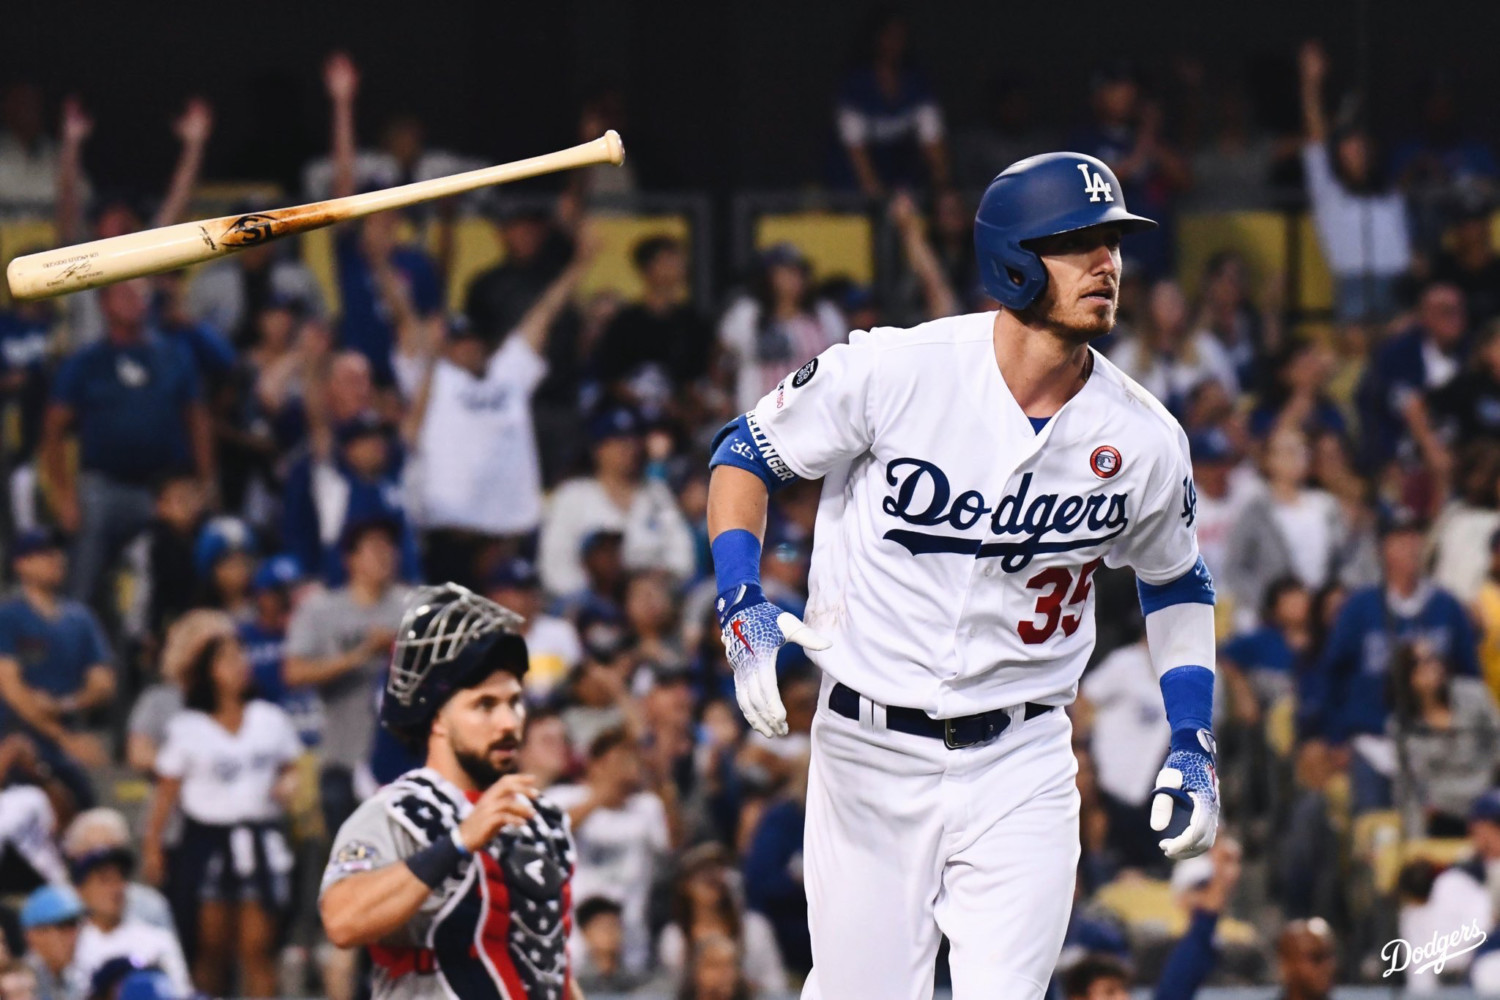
(1260, 666)
(360, 481)
(379, 280)
(1127, 134)
(25, 332)
(773, 870)
(263, 637)
(1421, 360)
(135, 401)
(889, 123)
(1343, 698)
(55, 666)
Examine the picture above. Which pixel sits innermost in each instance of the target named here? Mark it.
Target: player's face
(483, 727)
(1083, 282)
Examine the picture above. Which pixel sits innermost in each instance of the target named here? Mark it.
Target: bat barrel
(88, 265)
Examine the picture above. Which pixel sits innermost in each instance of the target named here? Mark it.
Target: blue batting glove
(1185, 803)
(753, 629)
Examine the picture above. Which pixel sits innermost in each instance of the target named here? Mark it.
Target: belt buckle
(948, 740)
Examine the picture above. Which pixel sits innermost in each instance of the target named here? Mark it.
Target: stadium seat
(1259, 237)
(1148, 909)
(22, 235)
(836, 243)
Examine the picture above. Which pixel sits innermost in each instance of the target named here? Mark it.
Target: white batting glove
(753, 630)
(1185, 804)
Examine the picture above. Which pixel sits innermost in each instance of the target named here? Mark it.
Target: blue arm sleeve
(737, 445)
(1315, 692)
(1195, 586)
(1191, 961)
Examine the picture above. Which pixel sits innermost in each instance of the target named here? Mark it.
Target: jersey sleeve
(520, 361)
(172, 758)
(369, 839)
(819, 415)
(1162, 544)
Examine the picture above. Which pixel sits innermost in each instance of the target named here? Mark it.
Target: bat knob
(616, 147)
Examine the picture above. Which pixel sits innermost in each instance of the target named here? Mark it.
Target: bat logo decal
(248, 230)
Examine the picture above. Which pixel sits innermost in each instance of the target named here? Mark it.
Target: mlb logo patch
(1105, 461)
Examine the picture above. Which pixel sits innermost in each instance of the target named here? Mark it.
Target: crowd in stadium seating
(222, 484)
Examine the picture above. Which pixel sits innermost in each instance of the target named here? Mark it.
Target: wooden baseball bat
(102, 262)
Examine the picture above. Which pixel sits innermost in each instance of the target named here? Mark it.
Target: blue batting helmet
(1034, 198)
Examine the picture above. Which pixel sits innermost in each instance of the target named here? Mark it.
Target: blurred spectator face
(716, 968)
(1401, 558)
(273, 328)
(54, 944)
(1287, 457)
(604, 938)
(620, 768)
(1309, 368)
(373, 559)
(951, 218)
(648, 604)
(523, 600)
(604, 562)
(180, 503)
(669, 706)
(351, 389)
(1208, 403)
(124, 305)
(890, 41)
(544, 753)
(1105, 988)
(367, 455)
(523, 237)
(1469, 238)
(666, 271)
(1307, 958)
(231, 669)
(693, 498)
(1115, 101)
(273, 606)
(787, 565)
(1353, 152)
(1441, 313)
(1225, 288)
(469, 353)
(618, 455)
(1429, 675)
(788, 283)
(232, 575)
(721, 723)
(44, 570)
(404, 140)
(1167, 309)
(103, 893)
(1293, 609)
(117, 219)
(1484, 834)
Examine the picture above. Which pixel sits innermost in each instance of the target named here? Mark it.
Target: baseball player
(977, 470)
(456, 875)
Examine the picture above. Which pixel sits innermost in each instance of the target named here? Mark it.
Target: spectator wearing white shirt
(1119, 704)
(777, 327)
(102, 878)
(1362, 227)
(621, 833)
(227, 762)
(617, 497)
(1168, 357)
(480, 475)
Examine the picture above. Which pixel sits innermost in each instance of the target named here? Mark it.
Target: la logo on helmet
(1094, 184)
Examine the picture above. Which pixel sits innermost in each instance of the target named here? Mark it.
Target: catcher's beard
(477, 764)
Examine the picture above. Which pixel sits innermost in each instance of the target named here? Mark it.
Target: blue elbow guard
(738, 445)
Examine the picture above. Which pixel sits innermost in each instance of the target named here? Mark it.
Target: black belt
(964, 731)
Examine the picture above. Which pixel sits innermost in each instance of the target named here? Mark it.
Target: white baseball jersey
(955, 545)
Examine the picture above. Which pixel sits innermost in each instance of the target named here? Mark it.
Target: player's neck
(1042, 370)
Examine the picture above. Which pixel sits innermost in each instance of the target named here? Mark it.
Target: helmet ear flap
(1015, 278)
